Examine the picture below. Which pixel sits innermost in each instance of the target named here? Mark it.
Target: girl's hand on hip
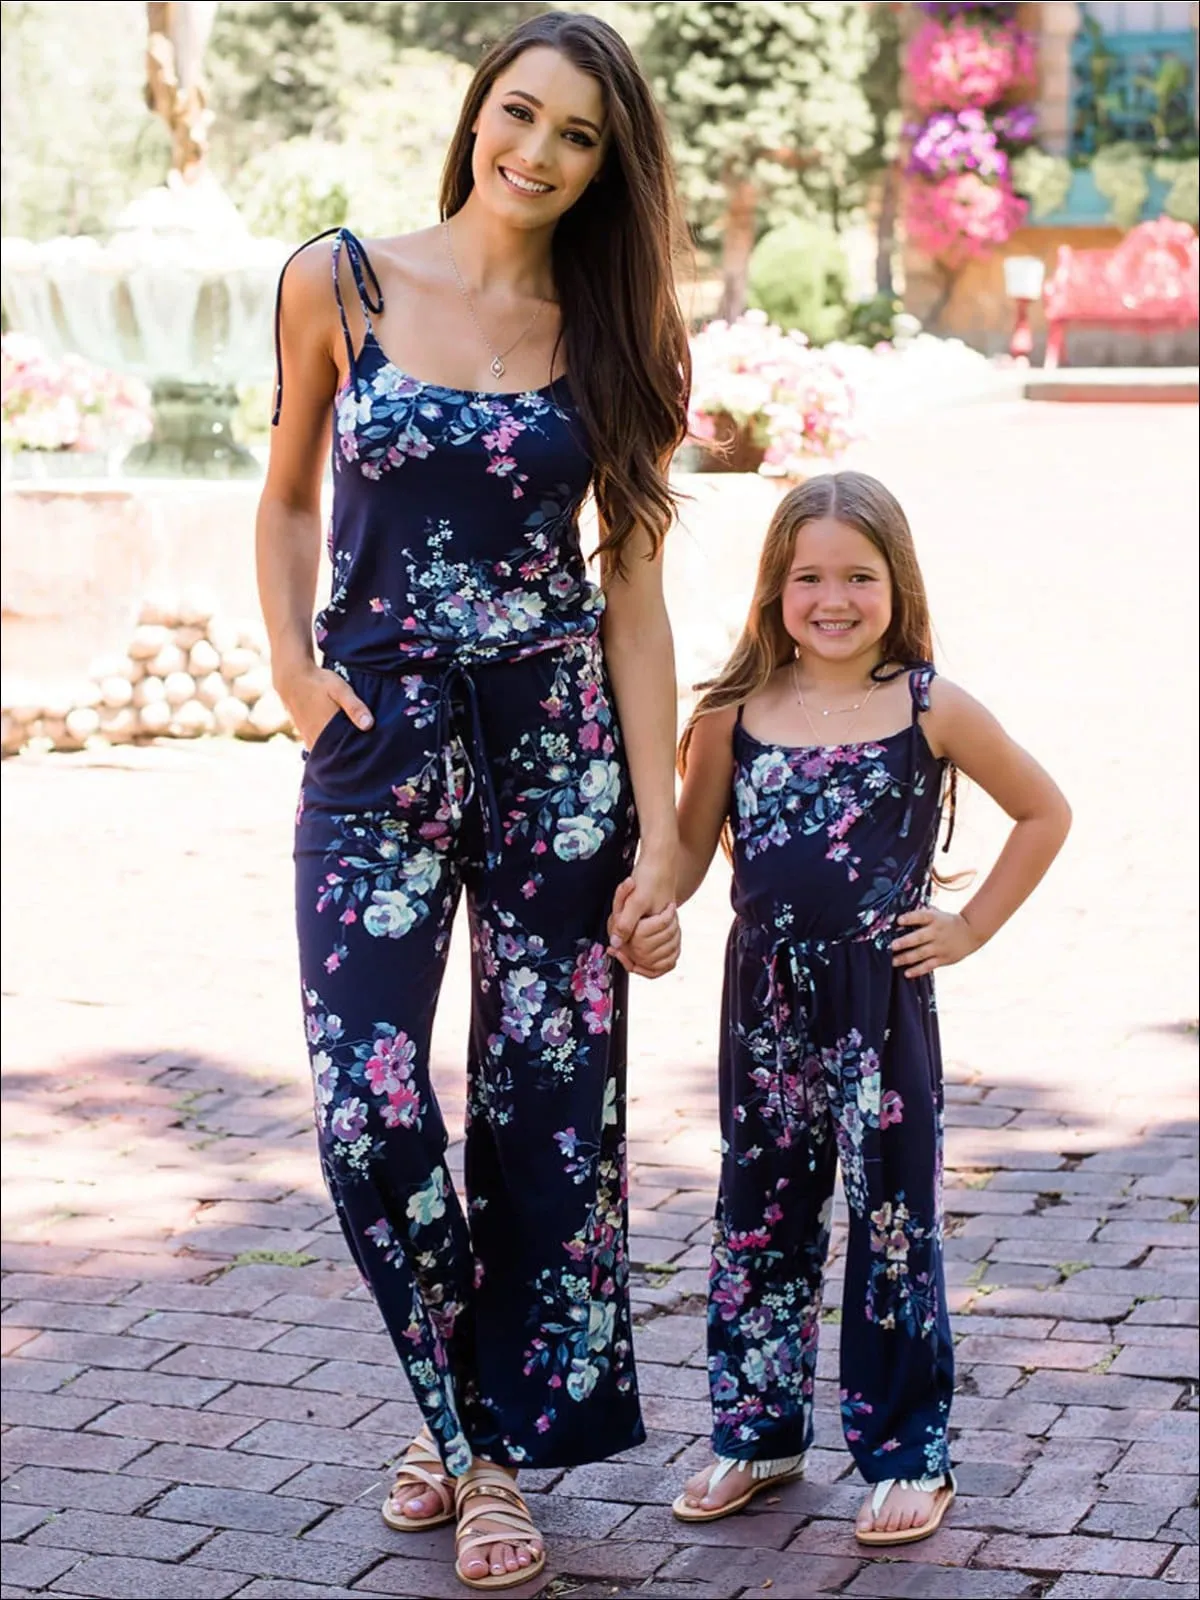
(315, 696)
(936, 939)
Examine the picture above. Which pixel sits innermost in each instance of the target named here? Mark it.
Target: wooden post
(1058, 25)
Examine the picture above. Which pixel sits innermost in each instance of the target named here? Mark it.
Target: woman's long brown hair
(614, 254)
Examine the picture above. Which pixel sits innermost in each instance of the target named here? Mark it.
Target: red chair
(1149, 282)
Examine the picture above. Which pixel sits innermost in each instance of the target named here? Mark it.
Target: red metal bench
(1148, 283)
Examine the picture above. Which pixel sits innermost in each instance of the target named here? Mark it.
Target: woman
(486, 718)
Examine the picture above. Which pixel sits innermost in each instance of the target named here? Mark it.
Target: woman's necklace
(832, 711)
(497, 368)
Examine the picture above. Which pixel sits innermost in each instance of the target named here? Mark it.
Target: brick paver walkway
(198, 1397)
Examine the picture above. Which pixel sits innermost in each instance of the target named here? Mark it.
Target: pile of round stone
(186, 671)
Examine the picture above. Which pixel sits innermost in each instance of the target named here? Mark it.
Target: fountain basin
(181, 296)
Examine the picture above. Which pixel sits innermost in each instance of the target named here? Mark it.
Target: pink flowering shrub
(965, 63)
(962, 217)
(794, 400)
(66, 403)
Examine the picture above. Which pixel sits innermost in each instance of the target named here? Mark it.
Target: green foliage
(78, 141)
(873, 321)
(279, 72)
(466, 31)
(1122, 174)
(800, 277)
(462, 31)
(1044, 179)
(880, 82)
(1183, 197)
(762, 92)
(1116, 103)
(294, 189)
(381, 174)
(398, 127)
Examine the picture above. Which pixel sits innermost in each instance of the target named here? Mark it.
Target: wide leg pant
(511, 1317)
(829, 1054)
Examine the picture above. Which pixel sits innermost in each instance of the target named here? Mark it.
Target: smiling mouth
(525, 185)
(834, 627)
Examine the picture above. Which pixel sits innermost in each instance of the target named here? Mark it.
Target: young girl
(824, 749)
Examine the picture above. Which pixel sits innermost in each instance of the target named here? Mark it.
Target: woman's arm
(288, 530)
(960, 729)
(640, 656)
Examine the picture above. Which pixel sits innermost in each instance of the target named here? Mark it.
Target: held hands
(314, 696)
(937, 939)
(644, 941)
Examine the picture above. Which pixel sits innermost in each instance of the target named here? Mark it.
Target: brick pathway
(198, 1397)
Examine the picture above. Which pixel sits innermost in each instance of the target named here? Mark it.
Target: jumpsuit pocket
(338, 718)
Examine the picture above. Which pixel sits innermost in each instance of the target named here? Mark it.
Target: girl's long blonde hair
(765, 644)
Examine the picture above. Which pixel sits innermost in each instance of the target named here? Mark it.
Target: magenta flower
(967, 62)
(961, 217)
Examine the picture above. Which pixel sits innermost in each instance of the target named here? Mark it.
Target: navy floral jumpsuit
(462, 615)
(830, 1054)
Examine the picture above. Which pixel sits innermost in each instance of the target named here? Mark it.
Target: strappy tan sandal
(476, 1495)
(420, 1469)
(763, 1475)
(943, 1488)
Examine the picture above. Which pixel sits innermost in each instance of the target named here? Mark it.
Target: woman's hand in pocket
(314, 697)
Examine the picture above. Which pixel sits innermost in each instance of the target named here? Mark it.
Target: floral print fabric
(829, 1057)
(455, 515)
(461, 614)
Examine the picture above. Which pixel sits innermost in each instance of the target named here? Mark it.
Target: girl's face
(539, 139)
(837, 595)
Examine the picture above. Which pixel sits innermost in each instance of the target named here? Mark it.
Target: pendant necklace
(833, 711)
(497, 368)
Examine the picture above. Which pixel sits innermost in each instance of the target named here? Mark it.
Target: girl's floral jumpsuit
(830, 1054)
(461, 613)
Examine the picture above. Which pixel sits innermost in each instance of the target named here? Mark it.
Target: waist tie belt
(458, 685)
(788, 995)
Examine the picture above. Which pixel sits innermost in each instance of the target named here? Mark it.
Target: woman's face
(540, 139)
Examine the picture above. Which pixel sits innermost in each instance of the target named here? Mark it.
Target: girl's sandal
(488, 1491)
(420, 1469)
(943, 1489)
(763, 1475)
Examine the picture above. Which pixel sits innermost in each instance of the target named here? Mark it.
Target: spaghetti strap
(920, 675)
(920, 680)
(737, 721)
(360, 266)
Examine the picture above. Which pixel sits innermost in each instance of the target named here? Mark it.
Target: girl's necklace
(497, 368)
(832, 711)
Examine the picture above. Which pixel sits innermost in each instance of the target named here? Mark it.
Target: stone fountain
(180, 295)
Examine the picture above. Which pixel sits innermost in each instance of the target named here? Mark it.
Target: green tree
(278, 72)
(767, 110)
(78, 140)
(466, 31)
(879, 165)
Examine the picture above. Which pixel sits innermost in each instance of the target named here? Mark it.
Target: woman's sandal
(943, 1489)
(476, 1495)
(421, 1469)
(763, 1475)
